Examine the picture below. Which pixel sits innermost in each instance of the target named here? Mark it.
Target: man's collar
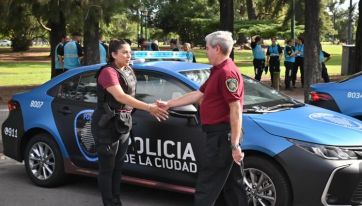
(222, 64)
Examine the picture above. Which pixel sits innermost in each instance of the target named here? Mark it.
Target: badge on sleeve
(232, 85)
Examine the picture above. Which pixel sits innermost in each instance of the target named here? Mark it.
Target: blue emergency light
(159, 55)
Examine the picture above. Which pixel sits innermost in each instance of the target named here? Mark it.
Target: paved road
(17, 190)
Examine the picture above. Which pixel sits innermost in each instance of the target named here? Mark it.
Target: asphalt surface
(16, 189)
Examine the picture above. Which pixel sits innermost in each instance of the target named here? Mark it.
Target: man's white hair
(222, 38)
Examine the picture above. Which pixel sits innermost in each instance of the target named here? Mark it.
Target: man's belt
(216, 127)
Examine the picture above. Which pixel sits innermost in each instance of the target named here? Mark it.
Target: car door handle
(66, 111)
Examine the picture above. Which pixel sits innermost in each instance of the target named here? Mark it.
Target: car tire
(274, 182)
(43, 161)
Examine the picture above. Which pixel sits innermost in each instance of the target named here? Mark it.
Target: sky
(347, 2)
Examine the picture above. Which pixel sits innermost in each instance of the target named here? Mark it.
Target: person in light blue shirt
(299, 61)
(273, 53)
(58, 59)
(72, 52)
(323, 58)
(190, 54)
(103, 51)
(259, 57)
(289, 59)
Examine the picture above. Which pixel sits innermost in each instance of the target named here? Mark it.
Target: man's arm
(117, 92)
(189, 98)
(235, 124)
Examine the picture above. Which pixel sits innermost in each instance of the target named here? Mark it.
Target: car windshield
(350, 77)
(257, 97)
(199, 76)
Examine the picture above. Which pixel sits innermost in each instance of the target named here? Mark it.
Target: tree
(51, 16)
(358, 51)
(95, 12)
(91, 35)
(18, 23)
(250, 9)
(312, 48)
(227, 17)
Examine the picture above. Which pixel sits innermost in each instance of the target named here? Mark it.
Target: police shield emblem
(232, 85)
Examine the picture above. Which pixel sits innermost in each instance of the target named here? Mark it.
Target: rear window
(350, 77)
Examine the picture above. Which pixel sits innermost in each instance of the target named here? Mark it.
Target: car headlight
(328, 152)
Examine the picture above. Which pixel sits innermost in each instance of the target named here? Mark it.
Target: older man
(221, 98)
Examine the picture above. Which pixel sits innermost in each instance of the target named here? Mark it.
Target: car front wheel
(43, 161)
(266, 184)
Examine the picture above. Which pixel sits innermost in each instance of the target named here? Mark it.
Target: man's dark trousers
(218, 172)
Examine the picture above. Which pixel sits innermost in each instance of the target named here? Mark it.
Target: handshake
(159, 110)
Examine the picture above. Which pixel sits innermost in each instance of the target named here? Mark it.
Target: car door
(73, 105)
(164, 151)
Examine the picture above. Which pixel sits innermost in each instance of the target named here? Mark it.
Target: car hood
(312, 124)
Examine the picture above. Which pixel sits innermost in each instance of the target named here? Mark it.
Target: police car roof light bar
(159, 55)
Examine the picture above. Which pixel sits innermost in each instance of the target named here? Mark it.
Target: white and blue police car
(296, 154)
(344, 96)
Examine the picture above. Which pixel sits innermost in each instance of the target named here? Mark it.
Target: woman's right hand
(157, 112)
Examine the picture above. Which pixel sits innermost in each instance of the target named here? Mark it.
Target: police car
(344, 96)
(296, 154)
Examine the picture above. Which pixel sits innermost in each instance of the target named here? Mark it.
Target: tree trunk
(311, 52)
(358, 51)
(91, 37)
(55, 36)
(227, 17)
(251, 10)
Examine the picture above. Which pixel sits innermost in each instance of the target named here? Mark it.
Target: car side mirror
(188, 111)
(184, 110)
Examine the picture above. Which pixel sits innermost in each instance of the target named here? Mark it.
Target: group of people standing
(174, 46)
(293, 61)
(69, 53)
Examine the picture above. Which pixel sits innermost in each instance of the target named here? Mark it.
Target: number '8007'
(11, 132)
(36, 104)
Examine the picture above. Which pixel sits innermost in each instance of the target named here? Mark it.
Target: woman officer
(111, 120)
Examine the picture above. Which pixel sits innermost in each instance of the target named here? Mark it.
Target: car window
(152, 87)
(81, 88)
(350, 77)
(199, 76)
(261, 95)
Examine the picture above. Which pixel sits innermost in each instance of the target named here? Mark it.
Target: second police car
(344, 96)
(296, 154)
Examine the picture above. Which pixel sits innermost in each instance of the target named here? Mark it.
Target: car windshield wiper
(284, 105)
(256, 109)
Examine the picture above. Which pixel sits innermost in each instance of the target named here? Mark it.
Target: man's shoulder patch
(232, 84)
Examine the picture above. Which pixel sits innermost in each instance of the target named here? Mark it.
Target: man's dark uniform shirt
(224, 85)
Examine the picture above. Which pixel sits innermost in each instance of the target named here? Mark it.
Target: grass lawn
(34, 73)
(24, 73)
(244, 58)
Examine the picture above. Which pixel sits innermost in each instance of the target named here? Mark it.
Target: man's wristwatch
(234, 146)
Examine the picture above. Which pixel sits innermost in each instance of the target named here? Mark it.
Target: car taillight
(12, 105)
(316, 97)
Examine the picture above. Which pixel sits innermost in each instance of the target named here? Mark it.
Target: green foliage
(195, 30)
(18, 24)
(119, 27)
(190, 19)
(265, 28)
